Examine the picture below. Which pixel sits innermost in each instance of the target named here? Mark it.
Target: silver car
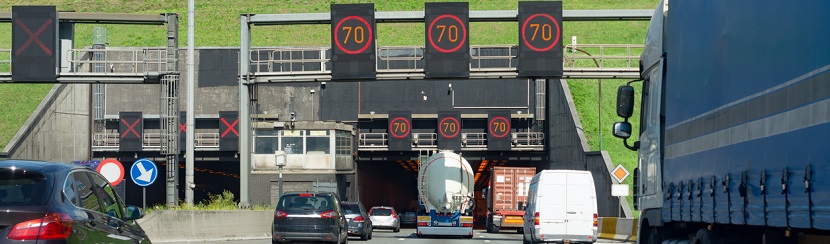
(385, 218)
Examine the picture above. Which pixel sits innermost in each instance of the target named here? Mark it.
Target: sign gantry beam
(102, 18)
(475, 16)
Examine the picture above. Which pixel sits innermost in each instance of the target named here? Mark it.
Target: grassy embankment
(217, 24)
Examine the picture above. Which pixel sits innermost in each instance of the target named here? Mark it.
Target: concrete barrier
(617, 229)
(189, 226)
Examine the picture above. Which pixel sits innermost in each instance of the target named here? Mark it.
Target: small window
(23, 188)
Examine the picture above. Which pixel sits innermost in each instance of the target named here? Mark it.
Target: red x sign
(130, 128)
(230, 127)
(33, 37)
(183, 127)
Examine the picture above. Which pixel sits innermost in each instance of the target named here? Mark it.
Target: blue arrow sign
(143, 172)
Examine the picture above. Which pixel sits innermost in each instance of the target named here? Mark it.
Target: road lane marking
(486, 240)
(401, 239)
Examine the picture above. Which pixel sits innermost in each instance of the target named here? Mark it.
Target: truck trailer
(445, 196)
(506, 196)
(734, 123)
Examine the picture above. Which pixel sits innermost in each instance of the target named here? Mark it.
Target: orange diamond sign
(619, 173)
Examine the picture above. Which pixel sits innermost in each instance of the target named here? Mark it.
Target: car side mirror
(622, 130)
(625, 101)
(134, 212)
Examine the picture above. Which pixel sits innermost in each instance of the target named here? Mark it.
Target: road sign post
(143, 173)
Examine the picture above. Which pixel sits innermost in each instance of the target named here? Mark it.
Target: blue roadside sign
(143, 172)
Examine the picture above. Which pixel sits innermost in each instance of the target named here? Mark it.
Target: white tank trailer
(445, 190)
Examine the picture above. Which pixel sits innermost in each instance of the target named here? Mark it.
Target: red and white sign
(112, 170)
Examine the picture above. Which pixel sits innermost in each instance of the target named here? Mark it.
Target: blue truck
(734, 136)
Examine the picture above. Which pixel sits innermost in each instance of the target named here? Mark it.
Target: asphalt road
(408, 236)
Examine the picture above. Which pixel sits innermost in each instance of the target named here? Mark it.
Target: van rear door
(580, 200)
(551, 204)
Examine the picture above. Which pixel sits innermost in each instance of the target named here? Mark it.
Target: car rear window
(381, 212)
(306, 202)
(23, 188)
(351, 208)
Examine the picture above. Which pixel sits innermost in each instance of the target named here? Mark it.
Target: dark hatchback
(48, 202)
(359, 222)
(309, 216)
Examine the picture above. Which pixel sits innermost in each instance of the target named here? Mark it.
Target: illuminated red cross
(33, 37)
(230, 127)
(183, 127)
(130, 128)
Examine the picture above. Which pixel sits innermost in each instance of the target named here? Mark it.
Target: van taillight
(50, 227)
(359, 219)
(328, 215)
(280, 214)
(536, 218)
(596, 219)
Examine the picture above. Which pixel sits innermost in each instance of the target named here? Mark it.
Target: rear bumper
(445, 231)
(358, 229)
(561, 238)
(304, 236)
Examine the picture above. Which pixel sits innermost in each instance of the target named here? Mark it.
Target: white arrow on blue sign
(143, 172)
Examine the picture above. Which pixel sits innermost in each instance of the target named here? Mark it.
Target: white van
(562, 206)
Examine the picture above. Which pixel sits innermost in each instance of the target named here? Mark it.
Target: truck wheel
(703, 236)
(488, 224)
(655, 235)
(469, 237)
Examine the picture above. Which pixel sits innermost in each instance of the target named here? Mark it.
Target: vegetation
(224, 201)
(217, 24)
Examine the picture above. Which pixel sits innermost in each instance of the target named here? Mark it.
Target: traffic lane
(408, 235)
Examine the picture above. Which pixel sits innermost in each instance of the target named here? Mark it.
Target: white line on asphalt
(486, 240)
(401, 239)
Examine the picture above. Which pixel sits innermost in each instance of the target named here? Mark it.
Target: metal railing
(468, 140)
(603, 56)
(119, 60)
(371, 140)
(153, 140)
(424, 139)
(5, 61)
(473, 139)
(483, 58)
(528, 139)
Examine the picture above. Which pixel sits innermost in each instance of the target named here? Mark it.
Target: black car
(359, 222)
(309, 216)
(48, 202)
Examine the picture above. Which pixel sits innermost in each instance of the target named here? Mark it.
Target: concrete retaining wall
(58, 130)
(188, 225)
(617, 229)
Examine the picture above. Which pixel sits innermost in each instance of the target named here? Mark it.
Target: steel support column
(170, 106)
(244, 113)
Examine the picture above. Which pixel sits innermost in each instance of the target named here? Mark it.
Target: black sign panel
(449, 130)
(400, 131)
(447, 53)
(540, 34)
(183, 131)
(34, 38)
(228, 130)
(353, 41)
(498, 130)
(130, 131)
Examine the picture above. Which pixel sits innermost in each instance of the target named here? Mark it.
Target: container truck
(734, 110)
(445, 194)
(506, 196)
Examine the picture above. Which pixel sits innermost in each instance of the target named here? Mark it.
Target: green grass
(215, 202)
(217, 24)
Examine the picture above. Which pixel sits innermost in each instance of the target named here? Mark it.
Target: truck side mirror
(622, 130)
(625, 102)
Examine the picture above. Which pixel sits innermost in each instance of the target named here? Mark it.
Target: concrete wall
(186, 226)
(568, 149)
(265, 186)
(58, 130)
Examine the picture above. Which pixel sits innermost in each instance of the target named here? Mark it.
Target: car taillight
(328, 215)
(280, 214)
(50, 227)
(596, 219)
(423, 223)
(359, 219)
(394, 216)
(536, 218)
(466, 225)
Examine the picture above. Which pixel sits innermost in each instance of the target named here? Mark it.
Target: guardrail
(409, 59)
(153, 140)
(132, 61)
(374, 141)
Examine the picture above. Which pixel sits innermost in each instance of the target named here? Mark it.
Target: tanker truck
(445, 196)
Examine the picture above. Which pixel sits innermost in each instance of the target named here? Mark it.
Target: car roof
(39, 166)
(383, 207)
